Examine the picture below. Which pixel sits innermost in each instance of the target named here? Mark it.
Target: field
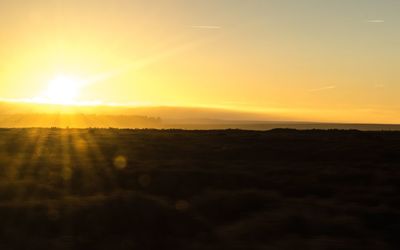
(174, 189)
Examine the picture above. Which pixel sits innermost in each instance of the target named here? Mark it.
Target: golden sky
(318, 60)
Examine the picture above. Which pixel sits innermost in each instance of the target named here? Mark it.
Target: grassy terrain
(171, 189)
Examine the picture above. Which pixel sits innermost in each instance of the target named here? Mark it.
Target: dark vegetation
(172, 189)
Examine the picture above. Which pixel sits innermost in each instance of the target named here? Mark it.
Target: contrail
(210, 27)
(322, 88)
(376, 21)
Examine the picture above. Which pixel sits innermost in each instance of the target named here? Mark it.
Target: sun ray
(139, 64)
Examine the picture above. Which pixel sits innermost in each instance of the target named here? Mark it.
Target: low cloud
(323, 88)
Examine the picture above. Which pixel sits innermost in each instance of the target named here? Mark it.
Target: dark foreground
(148, 189)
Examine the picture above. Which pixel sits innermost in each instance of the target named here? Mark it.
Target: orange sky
(310, 60)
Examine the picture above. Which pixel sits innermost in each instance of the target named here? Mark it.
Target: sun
(63, 89)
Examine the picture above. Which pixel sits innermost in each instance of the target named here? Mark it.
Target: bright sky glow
(319, 60)
(63, 90)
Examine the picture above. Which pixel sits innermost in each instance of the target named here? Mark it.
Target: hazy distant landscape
(20, 115)
(174, 189)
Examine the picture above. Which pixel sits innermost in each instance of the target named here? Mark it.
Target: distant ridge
(164, 112)
(45, 115)
(78, 121)
(262, 125)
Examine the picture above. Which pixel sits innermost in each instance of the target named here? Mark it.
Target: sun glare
(63, 89)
